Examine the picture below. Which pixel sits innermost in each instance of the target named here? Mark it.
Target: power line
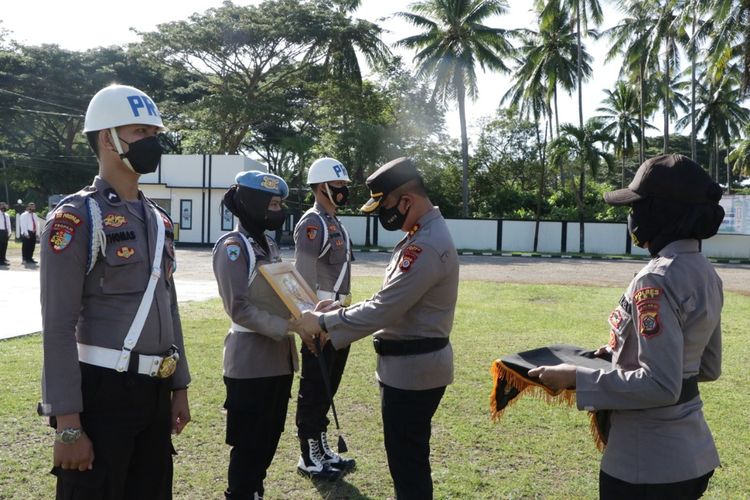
(38, 100)
(36, 111)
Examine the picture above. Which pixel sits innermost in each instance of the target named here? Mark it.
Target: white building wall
(550, 236)
(518, 236)
(473, 234)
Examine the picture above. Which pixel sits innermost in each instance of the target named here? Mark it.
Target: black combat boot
(332, 458)
(311, 462)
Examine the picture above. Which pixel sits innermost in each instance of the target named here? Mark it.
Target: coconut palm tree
(652, 36)
(584, 10)
(721, 115)
(619, 119)
(586, 147)
(732, 38)
(341, 37)
(453, 42)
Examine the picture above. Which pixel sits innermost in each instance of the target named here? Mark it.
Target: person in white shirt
(28, 227)
(4, 233)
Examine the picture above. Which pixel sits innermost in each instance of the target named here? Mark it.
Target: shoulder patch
(312, 232)
(406, 262)
(61, 234)
(233, 251)
(646, 294)
(62, 215)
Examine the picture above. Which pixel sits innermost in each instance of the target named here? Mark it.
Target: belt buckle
(168, 366)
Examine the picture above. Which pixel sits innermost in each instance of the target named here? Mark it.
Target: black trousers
(312, 400)
(28, 244)
(3, 243)
(611, 488)
(256, 411)
(407, 426)
(128, 419)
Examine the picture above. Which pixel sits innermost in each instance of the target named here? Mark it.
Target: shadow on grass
(339, 490)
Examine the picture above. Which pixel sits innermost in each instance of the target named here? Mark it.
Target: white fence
(493, 235)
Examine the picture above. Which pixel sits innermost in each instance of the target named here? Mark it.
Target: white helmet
(119, 105)
(326, 170)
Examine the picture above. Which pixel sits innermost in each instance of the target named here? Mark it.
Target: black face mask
(339, 195)
(274, 219)
(391, 218)
(144, 155)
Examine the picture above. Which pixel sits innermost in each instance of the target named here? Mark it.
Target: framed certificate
(290, 286)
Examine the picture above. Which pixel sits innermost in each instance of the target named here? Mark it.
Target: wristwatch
(68, 436)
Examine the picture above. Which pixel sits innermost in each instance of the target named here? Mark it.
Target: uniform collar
(424, 221)
(680, 246)
(322, 210)
(108, 192)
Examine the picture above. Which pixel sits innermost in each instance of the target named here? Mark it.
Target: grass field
(535, 451)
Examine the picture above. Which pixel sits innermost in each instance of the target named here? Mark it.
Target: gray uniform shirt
(98, 308)
(417, 300)
(321, 273)
(267, 349)
(666, 328)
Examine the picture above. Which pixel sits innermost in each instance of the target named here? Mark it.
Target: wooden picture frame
(290, 286)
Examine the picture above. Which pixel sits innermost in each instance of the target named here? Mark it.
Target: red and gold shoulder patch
(612, 340)
(411, 253)
(646, 294)
(125, 252)
(115, 220)
(312, 232)
(61, 234)
(67, 216)
(647, 304)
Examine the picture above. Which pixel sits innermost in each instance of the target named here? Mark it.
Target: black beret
(672, 177)
(387, 178)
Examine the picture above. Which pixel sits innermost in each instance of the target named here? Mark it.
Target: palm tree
(732, 39)
(654, 29)
(340, 39)
(454, 40)
(584, 10)
(582, 146)
(739, 157)
(619, 120)
(721, 114)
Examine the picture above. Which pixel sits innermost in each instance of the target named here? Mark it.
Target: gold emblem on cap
(270, 182)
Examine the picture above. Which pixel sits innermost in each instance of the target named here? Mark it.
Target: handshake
(308, 327)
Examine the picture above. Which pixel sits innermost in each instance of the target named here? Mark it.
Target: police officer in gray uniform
(665, 337)
(323, 255)
(260, 355)
(115, 373)
(411, 318)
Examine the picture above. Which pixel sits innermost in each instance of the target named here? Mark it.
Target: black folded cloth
(511, 379)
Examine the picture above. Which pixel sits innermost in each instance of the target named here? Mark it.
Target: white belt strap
(344, 268)
(251, 272)
(238, 328)
(109, 358)
(140, 317)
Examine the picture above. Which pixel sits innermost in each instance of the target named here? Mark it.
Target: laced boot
(311, 463)
(332, 458)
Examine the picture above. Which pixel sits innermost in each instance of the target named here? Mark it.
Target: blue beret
(262, 181)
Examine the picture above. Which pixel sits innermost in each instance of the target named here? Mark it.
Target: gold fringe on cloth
(501, 373)
(596, 431)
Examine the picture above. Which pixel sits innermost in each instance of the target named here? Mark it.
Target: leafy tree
(454, 40)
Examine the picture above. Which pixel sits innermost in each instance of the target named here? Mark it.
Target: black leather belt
(408, 347)
(689, 389)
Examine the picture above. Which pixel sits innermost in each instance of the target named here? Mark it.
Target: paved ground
(19, 300)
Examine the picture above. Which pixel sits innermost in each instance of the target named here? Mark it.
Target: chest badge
(115, 220)
(125, 252)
